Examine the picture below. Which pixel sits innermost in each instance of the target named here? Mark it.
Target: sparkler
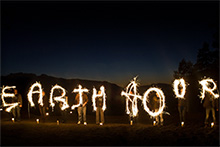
(59, 98)
(31, 92)
(80, 91)
(6, 95)
(176, 83)
(205, 87)
(131, 86)
(161, 104)
(102, 94)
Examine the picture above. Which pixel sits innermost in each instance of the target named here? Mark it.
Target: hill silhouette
(115, 103)
(23, 81)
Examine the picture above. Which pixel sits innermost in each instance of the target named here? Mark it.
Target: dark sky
(106, 41)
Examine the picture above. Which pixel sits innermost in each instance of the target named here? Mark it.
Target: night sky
(105, 41)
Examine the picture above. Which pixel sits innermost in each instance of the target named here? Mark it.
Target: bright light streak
(205, 87)
(176, 83)
(161, 102)
(95, 95)
(80, 91)
(31, 92)
(7, 95)
(132, 86)
(61, 98)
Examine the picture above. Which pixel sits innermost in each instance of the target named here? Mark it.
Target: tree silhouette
(184, 70)
(204, 58)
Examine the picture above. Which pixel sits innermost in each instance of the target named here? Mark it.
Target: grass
(116, 131)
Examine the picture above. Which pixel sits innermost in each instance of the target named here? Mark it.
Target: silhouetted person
(210, 103)
(82, 108)
(16, 110)
(44, 108)
(99, 111)
(182, 106)
(130, 107)
(155, 107)
(63, 112)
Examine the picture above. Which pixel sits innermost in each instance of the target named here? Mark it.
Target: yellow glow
(205, 87)
(212, 124)
(31, 92)
(162, 101)
(102, 94)
(131, 90)
(182, 124)
(80, 91)
(176, 83)
(7, 95)
(61, 98)
(38, 121)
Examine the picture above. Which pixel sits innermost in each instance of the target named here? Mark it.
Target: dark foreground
(28, 132)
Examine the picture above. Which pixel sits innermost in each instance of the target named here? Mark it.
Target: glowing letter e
(11, 105)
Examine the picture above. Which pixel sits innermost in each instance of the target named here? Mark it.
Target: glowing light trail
(206, 87)
(80, 91)
(132, 86)
(31, 92)
(7, 95)
(161, 102)
(59, 98)
(176, 83)
(102, 94)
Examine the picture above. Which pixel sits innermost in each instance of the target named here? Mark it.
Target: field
(116, 131)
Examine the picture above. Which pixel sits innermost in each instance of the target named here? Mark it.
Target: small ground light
(58, 122)
(38, 121)
(13, 120)
(131, 122)
(182, 124)
(154, 123)
(71, 112)
(212, 124)
(47, 114)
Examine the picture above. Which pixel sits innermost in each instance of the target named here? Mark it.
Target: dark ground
(116, 131)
